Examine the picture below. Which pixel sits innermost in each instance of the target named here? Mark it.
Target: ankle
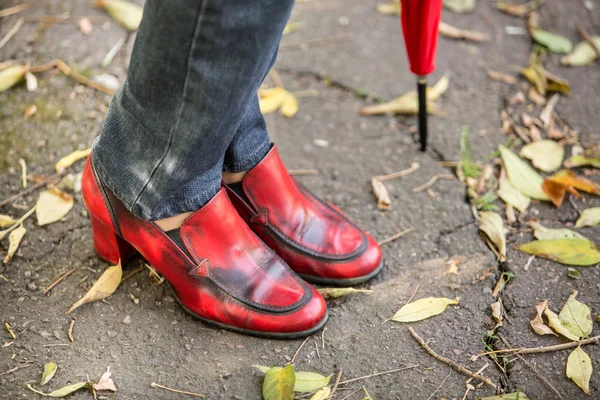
(171, 223)
(233, 177)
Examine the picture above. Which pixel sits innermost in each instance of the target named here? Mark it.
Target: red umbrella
(420, 22)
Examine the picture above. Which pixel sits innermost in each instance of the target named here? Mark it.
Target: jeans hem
(244, 163)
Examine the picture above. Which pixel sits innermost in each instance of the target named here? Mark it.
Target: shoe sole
(317, 280)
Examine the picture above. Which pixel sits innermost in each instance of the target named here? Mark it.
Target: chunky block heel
(109, 246)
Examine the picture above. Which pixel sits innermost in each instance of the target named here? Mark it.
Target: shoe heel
(108, 245)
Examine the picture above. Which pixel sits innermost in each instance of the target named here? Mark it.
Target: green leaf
(589, 217)
(511, 195)
(262, 368)
(334, 293)
(65, 391)
(579, 369)
(322, 394)
(554, 42)
(542, 233)
(460, 6)
(279, 383)
(582, 54)
(576, 317)
(581, 161)
(509, 396)
(49, 371)
(546, 155)
(524, 178)
(307, 382)
(573, 273)
(554, 323)
(422, 309)
(565, 251)
(492, 225)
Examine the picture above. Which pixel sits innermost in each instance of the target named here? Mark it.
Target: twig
(449, 362)
(9, 330)
(14, 10)
(433, 180)
(52, 179)
(317, 348)
(378, 374)
(56, 344)
(413, 167)
(274, 75)
(129, 275)
(336, 383)
(70, 72)
(572, 202)
(545, 349)
(323, 338)
(12, 32)
(27, 364)
(396, 236)
(70, 330)
(584, 35)
(298, 351)
(441, 384)
(299, 172)
(351, 393)
(23, 170)
(314, 43)
(156, 385)
(59, 280)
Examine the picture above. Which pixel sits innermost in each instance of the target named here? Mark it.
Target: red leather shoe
(225, 276)
(316, 239)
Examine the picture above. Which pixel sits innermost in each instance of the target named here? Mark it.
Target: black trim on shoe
(343, 282)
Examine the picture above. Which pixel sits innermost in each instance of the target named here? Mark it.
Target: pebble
(127, 320)
(27, 274)
(31, 286)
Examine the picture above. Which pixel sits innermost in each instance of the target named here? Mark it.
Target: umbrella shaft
(422, 91)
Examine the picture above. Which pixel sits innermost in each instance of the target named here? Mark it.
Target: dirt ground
(155, 341)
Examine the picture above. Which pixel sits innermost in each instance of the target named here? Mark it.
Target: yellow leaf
(460, 6)
(68, 160)
(422, 309)
(542, 233)
(437, 90)
(580, 252)
(546, 155)
(322, 394)
(6, 221)
(308, 382)
(14, 240)
(579, 369)
(391, 8)
(64, 391)
(270, 100)
(558, 327)
(576, 317)
(52, 205)
(289, 105)
(512, 196)
(128, 15)
(279, 383)
(537, 323)
(492, 225)
(10, 76)
(334, 293)
(589, 217)
(104, 286)
(524, 178)
(293, 27)
(49, 371)
(580, 161)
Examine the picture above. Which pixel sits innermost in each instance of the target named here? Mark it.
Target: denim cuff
(245, 162)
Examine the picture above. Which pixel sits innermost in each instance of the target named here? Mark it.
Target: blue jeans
(188, 109)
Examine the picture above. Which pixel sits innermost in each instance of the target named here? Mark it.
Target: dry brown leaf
(453, 32)
(106, 382)
(52, 205)
(569, 178)
(557, 191)
(14, 239)
(537, 323)
(383, 198)
(491, 224)
(104, 286)
(497, 311)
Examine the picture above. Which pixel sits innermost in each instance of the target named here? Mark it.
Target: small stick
(70, 331)
(156, 385)
(298, 351)
(323, 338)
(12, 32)
(433, 180)
(546, 349)
(351, 393)
(14, 10)
(396, 236)
(52, 179)
(59, 280)
(317, 348)
(129, 275)
(336, 383)
(413, 167)
(276, 78)
(299, 172)
(56, 344)
(9, 330)
(378, 374)
(23, 170)
(27, 364)
(449, 362)
(441, 384)
(70, 72)
(584, 35)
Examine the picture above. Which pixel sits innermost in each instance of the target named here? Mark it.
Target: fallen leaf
(104, 286)
(589, 217)
(289, 105)
(497, 311)
(106, 382)
(554, 42)
(537, 323)
(10, 76)
(6, 221)
(391, 8)
(508, 396)
(499, 76)
(557, 191)
(573, 273)
(307, 382)
(64, 391)
(460, 6)
(557, 326)
(322, 394)
(422, 309)
(519, 10)
(537, 79)
(334, 293)
(546, 114)
(383, 198)
(565, 251)
(14, 240)
(453, 32)
(576, 317)
(279, 383)
(293, 26)
(492, 225)
(569, 178)
(582, 54)
(52, 205)
(536, 97)
(579, 161)
(512, 196)
(556, 84)
(542, 233)
(546, 155)
(128, 15)
(262, 368)
(270, 100)
(30, 82)
(49, 371)
(579, 369)
(524, 178)
(68, 160)
(85, 26)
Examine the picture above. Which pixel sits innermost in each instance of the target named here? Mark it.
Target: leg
(196, 66)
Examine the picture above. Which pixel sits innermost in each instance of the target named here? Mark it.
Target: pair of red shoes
(241, 250)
